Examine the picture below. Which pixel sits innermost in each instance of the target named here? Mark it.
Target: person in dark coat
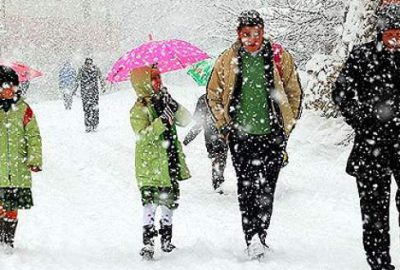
(367, 93)
(217, 149)
(67, 83)
(89, 77)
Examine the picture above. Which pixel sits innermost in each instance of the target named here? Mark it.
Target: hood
(141, 82)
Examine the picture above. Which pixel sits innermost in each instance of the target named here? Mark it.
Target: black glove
(226, 129)
(168, 116)
(168, 100)
(219, 144)
(186, 141)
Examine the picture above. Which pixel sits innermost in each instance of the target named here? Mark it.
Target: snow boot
(263, 237)
(256, 250)
(10, 227)
(166, 237)
(149, 232)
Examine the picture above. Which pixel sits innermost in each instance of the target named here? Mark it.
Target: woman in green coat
(20, 153)
(160, 162)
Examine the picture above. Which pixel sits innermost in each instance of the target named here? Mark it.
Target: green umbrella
(201, 72)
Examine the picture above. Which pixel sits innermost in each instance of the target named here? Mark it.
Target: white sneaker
(256, 250)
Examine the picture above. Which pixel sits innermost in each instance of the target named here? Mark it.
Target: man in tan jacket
(255, 97)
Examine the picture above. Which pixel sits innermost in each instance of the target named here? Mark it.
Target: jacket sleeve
(215, 91)
(201, 110)
(182, 116)
(33, 140)
(78, 80)
(192, 134)
(291, 84)
(101, 79)
(142, 126)
(345, 90)
(200, 117)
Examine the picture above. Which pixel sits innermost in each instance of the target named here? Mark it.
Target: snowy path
(87, 212)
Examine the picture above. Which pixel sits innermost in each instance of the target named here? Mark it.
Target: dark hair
(8, 75)
(388, 17)
(88, 61)
(250, 18)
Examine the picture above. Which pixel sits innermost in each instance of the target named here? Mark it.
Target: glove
(218, 144)
(186, 142)
(168, 100)
(35, 168)
(225, 130)
(167, 117)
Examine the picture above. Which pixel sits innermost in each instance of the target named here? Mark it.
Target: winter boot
(263, 237)
(9, 233)
(149, 232)
(166, 237)
(256, 250)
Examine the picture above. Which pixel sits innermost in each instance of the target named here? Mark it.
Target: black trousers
(257, 161)
(374, 184)
(91, 111)
(218, 162)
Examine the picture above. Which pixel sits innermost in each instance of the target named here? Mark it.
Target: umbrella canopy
(25, 73)
(169, 55)
(201, 72)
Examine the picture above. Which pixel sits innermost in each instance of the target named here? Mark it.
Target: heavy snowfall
(87, 211)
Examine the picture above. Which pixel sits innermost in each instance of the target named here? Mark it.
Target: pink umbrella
(25, 73)
(169, 55)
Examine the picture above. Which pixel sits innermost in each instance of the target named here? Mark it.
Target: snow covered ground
(88, 214)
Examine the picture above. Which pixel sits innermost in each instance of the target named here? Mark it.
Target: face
(251, 37)
(7, 91)
(88, 63)
(391, 39)
(156, 82)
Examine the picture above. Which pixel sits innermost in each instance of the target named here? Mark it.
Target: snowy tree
(303, 27)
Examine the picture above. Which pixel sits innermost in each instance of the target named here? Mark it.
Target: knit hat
(8, 76)
(389, 17)
(250, 18)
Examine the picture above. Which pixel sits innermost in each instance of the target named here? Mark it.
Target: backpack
(277, 51)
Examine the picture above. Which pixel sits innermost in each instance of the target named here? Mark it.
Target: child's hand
(168, 116)
(35, 169)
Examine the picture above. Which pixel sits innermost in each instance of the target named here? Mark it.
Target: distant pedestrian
(67, 83)
(89, 77)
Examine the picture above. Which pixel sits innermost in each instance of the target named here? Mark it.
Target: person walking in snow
(67, 83)
(217, 149)
(367, 93)
(159, 159)
(255, 96)
(20, 153)
(89, 77)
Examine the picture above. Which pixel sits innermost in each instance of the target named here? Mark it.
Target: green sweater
(253, 112)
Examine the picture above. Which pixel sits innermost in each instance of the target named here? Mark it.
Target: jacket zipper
(8, 147)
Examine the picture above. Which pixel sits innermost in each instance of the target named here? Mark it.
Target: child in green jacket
(159, 161)
(20, 153)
